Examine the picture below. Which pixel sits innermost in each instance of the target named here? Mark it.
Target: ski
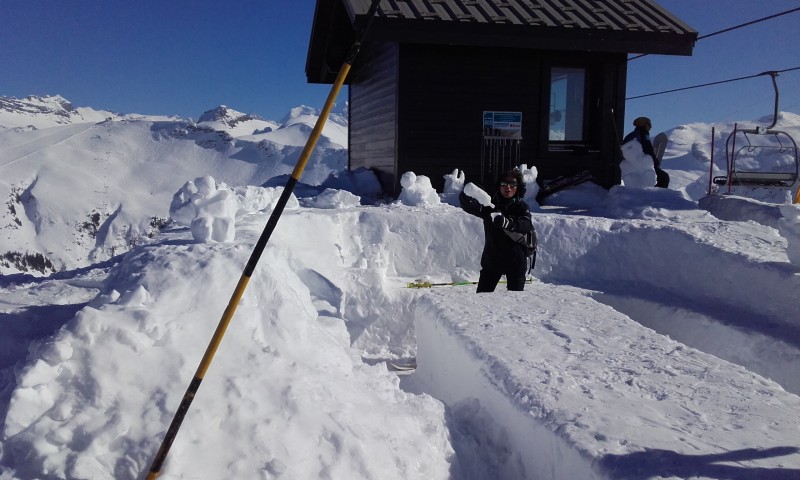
(447, 284)
(421, 284)
(561, 183)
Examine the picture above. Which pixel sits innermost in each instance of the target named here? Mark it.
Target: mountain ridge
(122, 171)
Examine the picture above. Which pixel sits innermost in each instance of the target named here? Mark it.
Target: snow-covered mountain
(124, 170)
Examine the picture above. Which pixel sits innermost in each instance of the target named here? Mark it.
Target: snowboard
(660, 145)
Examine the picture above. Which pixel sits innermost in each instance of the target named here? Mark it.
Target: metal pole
(194, 385)
(711, 168)
(730, 159)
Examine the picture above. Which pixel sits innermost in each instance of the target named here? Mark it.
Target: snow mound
(71, 419)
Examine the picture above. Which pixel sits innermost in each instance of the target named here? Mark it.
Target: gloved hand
(501, 221)
(470, 205)
(466, 199)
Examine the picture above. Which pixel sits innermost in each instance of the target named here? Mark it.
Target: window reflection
(566, 104)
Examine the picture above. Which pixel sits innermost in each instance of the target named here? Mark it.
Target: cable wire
(715, 83)
(729, 29)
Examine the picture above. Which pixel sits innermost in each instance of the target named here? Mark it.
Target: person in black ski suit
(501, 254)
(641, 132)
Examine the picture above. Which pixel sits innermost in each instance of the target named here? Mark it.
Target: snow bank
(753, 287)
(784, 218)
(520, 377)
(286, 396)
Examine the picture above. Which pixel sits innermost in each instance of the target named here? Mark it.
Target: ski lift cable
(735, 27)
(770, 72)
(748, 23)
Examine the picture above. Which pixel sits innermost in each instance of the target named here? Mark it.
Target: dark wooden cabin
(430, 70)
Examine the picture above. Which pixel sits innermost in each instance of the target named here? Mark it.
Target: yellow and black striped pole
(194, 385)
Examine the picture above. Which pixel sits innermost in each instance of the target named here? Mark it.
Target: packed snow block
(476, 192)
(550, 384)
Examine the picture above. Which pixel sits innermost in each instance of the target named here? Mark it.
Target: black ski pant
(488, 280)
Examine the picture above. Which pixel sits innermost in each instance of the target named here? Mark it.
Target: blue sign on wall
(502, 124)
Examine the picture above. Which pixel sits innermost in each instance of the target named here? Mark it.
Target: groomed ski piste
(656, 341)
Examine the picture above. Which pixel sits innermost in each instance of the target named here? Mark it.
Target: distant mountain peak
(226, 115)
(36, 111)
(35, 105)
(299, 111)
(338, 115)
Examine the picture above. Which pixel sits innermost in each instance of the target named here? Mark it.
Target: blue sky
(770, 45)
(183, 57)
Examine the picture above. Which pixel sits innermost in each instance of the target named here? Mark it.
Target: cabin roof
(622, 26)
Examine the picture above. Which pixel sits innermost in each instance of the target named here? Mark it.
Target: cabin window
(567, 104)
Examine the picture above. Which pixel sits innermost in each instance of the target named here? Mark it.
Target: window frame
(589, 78)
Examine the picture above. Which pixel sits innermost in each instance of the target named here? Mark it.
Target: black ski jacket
(500, 252)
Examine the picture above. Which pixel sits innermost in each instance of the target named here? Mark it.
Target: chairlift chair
(782, 142)
(738, 175)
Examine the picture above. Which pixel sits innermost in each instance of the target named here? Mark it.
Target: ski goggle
(508, 184)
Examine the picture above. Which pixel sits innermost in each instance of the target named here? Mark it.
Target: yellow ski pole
(194, 385)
